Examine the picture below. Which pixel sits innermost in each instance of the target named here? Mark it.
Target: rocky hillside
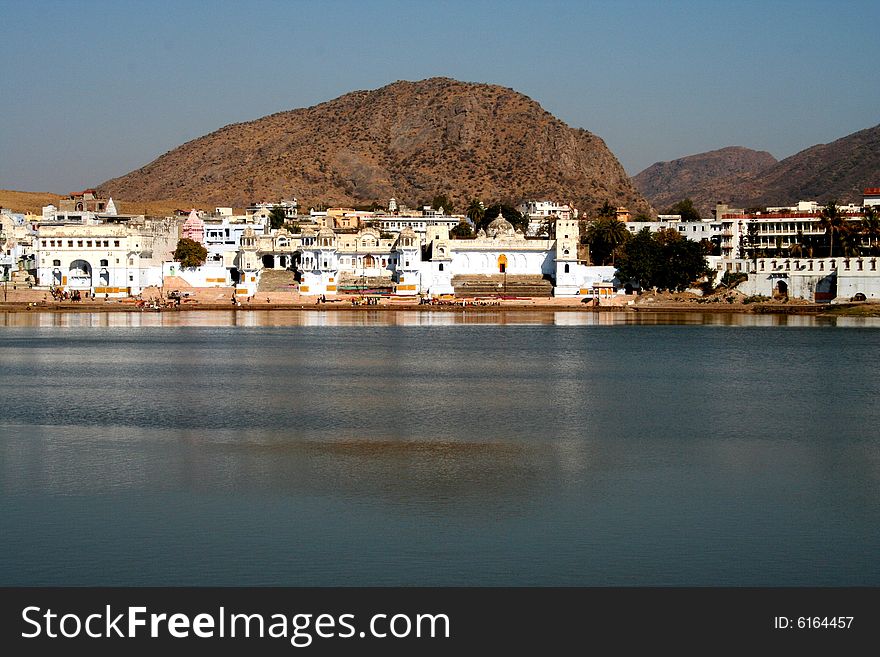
(698, 176)
(409, 140)
(837, 171)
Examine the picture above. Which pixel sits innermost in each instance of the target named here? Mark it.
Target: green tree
(682, 263)
(442, 201)
(607, 211)
(710, 247)
(277, 217)
(604, 236)
(870, 227)
(664, 264)
(731, 279)
(796, 248)
(462, 231)
(638, 259)
(831, 221)
(748, 242)
(476, 211)
(666, 236)
(548, 227)
(190, 253)
(686, 209)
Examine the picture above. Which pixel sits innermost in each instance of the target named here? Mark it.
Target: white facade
(103, 259)
(812, 279)
(540, 211)
(418, 224)
(871, 197)
(259, 212)
(327, 258)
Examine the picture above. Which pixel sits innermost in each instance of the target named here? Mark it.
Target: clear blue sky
(93, 89)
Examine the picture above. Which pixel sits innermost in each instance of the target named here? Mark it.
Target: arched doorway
(502, 264)
(269, 261)
(782, 288)
(369, 262)
(80, 275)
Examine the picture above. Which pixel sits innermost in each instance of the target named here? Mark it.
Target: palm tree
(475, 212)
(796, 248)
(604, 237)
(832, 221)
(870, 227)
(607, 211)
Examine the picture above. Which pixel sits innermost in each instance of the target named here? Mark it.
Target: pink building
(193, 228)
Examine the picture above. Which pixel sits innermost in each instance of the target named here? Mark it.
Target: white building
(259, 212)
(391, 223)
(871, 196)
(104, 259)
(332, 263)
(540, 211)
(813, 279)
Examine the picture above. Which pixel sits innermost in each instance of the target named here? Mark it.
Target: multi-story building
(113, 259)
(539, 212)
(259, 212)
(330, 263)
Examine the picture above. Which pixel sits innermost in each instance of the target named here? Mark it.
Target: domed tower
(500, 228)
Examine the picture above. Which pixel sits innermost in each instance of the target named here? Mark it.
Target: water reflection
(453, 317)
(401, 448)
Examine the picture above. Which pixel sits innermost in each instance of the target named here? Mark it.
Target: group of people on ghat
(360, 301)
(459, 302)
(60, 294)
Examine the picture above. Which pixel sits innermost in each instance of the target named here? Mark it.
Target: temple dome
(500, 227)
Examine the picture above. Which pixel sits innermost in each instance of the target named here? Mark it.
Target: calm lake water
(508, 448)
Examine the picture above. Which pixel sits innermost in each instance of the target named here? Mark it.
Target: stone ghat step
(540, 289)
(276, 280)
(538, 283)
(348, 280)
(499, 278)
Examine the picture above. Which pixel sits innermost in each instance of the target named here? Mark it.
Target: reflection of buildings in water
(508, 317)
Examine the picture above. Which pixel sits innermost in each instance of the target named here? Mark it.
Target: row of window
(307, 263)
(79, 243)
(104, 263)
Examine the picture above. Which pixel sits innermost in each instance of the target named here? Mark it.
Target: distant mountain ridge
(408, 140)
(838, 171)
(698, 176)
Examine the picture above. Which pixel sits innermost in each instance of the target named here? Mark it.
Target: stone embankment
(280, 298)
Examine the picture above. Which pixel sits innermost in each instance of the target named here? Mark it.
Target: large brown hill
(408, 140)
(698, 176)
(838, 171)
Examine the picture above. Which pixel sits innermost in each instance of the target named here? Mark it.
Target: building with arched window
(500, 259)
(109, 259)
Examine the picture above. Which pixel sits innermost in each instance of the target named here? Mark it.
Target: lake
(446, 448)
